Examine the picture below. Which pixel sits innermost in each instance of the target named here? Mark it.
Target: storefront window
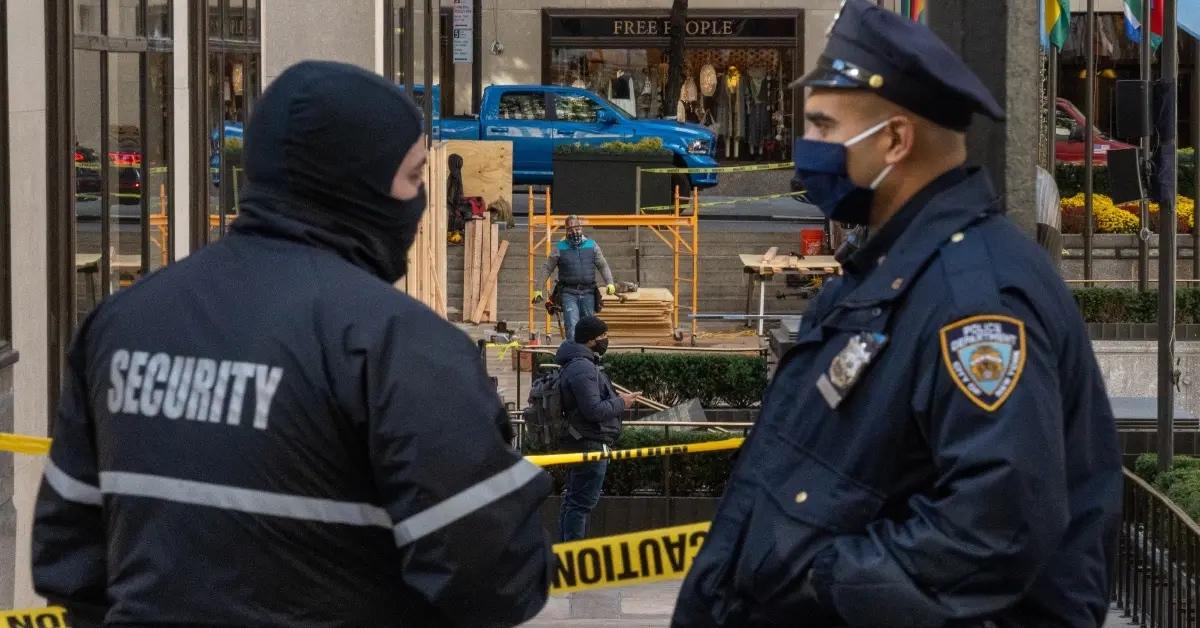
(737, 68)
(233, 82)
(121, 98)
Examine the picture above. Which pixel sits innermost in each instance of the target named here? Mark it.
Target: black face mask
(575, 237)
(601, 347)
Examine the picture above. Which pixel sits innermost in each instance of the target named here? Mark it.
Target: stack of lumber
(482, 257)
(641, 315)
(426, 278)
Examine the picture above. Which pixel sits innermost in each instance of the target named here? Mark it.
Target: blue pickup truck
(536, 118)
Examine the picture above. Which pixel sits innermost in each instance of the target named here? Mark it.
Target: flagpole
(1144, 204)
(1089, 114)
(1195, 156)
(1052, 104)
(1167, 142)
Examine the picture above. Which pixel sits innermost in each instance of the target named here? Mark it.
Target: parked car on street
(1069, 145)
(537, 118)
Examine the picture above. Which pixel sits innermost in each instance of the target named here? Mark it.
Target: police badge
(985, 356)
(848, 366)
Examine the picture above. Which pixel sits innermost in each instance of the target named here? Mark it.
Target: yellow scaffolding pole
(671, 223)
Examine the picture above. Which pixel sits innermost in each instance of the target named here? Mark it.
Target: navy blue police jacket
(268, 433)
(937, 450)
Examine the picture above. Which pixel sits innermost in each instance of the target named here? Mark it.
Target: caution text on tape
(546, 460)
(49, 617)
(627, 559)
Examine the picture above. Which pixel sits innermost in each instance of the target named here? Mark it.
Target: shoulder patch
(985, 356)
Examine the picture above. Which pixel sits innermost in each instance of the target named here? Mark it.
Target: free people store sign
(646, 27)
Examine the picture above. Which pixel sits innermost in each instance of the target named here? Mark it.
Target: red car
(1069, 131)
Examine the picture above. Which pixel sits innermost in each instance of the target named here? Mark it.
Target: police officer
(938, 449)
(268, 433)
(577, 259)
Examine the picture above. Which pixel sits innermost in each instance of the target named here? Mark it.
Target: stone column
(998, 40)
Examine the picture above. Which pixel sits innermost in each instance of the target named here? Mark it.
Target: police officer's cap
(874, 49)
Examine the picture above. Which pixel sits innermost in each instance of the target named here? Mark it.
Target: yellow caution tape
(40, 446)
(719, 169)
(733, 201)
(546, 460)
(627, 559)
(49, 617)
(20, 444)
(503, 349)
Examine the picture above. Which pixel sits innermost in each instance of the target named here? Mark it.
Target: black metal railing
(1157, 580)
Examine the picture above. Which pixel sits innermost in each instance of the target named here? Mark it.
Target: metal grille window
(232, 83)
(121, 113)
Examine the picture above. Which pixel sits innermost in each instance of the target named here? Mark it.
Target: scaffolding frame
(682, 236)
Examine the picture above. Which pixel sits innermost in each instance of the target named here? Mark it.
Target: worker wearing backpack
(593, 412)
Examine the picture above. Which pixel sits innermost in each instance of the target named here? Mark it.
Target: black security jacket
(267, 433)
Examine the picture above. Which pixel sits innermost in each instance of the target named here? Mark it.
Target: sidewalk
(643, 606)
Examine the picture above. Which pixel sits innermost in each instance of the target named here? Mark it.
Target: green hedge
(1070, 177)
(1127, 305)
(693, 475)
(1181, 484)
(644, 146)
(735, 381)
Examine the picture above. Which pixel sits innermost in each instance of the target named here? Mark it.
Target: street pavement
(644, 606)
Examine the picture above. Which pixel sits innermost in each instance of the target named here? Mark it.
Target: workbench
(763, 267)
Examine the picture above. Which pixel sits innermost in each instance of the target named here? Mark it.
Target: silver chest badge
(848, 366)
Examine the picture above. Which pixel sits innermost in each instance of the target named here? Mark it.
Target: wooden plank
(485, 265)
(468, 269)
(487, 168)
(489, 283)
(493, 310)
(476, 277)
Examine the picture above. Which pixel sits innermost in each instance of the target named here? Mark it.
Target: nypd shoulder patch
(985, 356)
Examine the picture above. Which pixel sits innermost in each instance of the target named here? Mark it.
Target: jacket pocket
(802, 504)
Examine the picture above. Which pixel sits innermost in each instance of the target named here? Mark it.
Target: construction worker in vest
(577, 258)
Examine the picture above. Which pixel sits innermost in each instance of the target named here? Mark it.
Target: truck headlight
(699, 147)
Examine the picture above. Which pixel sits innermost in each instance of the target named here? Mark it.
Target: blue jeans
(584, 482)
(575, 306)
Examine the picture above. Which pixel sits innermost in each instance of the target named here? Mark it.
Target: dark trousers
(584, 482)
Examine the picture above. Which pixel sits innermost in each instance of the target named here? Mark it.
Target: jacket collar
(947, 213)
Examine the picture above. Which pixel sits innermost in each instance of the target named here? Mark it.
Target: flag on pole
(1056, 25)
(913, 10)
(1133, 21)
(1189, 18)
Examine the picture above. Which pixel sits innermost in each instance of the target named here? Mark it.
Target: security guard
(268, 433)
(938, 449)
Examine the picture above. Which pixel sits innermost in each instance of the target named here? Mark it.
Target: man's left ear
(900, 132)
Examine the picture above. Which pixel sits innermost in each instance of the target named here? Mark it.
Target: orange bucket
(812, 241)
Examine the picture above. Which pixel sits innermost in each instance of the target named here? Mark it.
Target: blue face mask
(821, 174)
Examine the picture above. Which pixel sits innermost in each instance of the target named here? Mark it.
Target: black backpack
(545, 416)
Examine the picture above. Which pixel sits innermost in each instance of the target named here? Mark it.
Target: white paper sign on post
(464, 32)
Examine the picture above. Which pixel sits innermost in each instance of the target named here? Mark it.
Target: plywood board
(487, 168)
(426, 276)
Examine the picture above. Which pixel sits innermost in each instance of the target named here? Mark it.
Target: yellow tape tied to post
(50, 617)
(21, 444)
(627, 559)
